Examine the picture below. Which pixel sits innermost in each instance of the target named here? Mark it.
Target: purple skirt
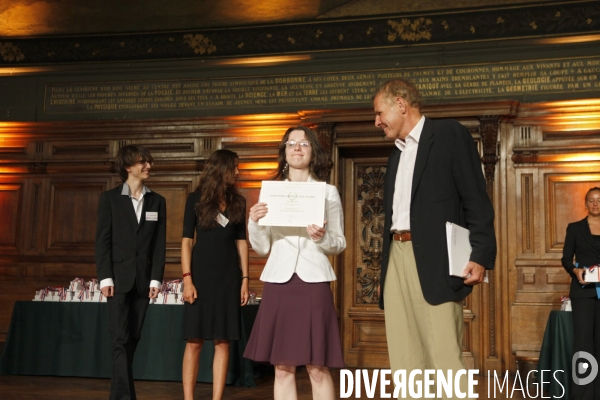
(296, 325)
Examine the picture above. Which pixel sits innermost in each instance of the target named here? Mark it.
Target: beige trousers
(419, 335)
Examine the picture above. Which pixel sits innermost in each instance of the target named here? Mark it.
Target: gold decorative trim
(410, 31)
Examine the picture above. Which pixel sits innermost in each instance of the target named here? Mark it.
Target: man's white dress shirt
(404, 177)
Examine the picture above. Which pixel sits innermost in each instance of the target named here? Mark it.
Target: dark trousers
(126, 313)
(586, 330)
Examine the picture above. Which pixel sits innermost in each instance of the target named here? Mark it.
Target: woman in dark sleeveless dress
(215, 269)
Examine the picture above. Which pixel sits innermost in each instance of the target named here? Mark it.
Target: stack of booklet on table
(89, 292)
(78, 291)
(171, 292)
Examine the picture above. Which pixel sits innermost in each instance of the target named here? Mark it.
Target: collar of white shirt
(310, 179)
(414, 135)
(127, 191)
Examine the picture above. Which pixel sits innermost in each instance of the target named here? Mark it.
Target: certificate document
(293, 203)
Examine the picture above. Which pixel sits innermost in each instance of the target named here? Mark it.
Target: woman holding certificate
(583, 243)
(215, 269)
(297, 323)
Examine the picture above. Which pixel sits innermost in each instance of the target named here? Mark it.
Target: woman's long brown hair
(214, 188)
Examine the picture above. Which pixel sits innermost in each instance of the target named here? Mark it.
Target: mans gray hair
(400, 88)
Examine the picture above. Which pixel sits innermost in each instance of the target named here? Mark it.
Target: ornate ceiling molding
(549, 20)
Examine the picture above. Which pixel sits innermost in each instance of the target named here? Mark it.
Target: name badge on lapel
(221, 220)
(151, 215)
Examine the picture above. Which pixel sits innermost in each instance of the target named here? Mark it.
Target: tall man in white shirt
(130, 259)
(433, 175)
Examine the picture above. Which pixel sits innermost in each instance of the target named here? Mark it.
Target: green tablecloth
(556, 353)
(72, 339)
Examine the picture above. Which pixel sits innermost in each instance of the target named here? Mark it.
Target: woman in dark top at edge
(583, 243)
(215, 272)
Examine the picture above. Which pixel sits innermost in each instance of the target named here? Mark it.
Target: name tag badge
(151, 215)
(221, 220)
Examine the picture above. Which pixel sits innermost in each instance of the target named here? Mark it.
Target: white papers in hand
(592, 274)
(459, 248)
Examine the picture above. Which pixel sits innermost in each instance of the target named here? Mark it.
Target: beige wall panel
(542, 278)
(528, 326)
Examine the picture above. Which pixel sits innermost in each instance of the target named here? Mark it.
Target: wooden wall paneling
(533, 299)
(170, 148)
(13, 148)
(11, 210)
(35, 216)
(566, 202)
(73, 206)
(528, 327)
(490, 338)
(61, 273)
(527, 215)
(175, 188)
(78, 150)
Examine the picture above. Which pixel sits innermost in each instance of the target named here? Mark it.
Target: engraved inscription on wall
(321, 90)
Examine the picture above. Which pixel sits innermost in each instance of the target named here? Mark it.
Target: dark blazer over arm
(448, 186)
(128, 251)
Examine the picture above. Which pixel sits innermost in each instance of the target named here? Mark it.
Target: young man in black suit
(130, 259)
(433, 176)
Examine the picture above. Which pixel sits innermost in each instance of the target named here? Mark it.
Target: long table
(72, 339)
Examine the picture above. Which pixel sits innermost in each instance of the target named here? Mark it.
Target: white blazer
(292, 250)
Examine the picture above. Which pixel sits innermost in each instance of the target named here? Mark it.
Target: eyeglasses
(144, 162)
(293, 143)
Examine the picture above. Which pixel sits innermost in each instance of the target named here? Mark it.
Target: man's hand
(473, 273)
(154, 292)
(108, 291)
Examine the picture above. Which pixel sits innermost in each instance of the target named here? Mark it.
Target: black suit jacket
(448, 185)
(579, 243)
(126, 251)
